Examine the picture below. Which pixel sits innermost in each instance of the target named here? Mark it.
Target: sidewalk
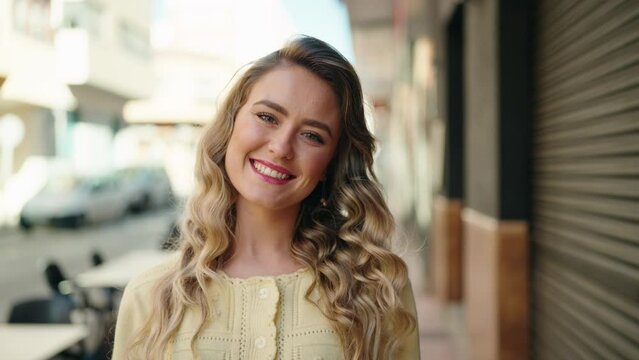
(439, 329)
(441, 326)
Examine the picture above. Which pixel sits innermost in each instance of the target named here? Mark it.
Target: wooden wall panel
(496, 287)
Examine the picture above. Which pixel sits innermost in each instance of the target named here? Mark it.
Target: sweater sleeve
(409, 348)
(131, 316)
(135, 308)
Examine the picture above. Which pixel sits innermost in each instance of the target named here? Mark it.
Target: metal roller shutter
(585, 224)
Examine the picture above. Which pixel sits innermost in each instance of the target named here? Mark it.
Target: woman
(285, 243)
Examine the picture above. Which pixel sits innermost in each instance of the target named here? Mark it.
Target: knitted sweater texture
(262, 317)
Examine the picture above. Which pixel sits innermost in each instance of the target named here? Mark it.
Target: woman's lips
(270, 172)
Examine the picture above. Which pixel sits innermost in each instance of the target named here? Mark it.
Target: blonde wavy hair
(346, 243)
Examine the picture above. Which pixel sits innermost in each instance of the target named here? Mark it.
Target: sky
(248, 29)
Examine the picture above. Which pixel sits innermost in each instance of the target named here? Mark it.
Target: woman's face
(283, 139)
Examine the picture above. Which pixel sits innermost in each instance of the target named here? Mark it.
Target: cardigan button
(260, 342)
(263, 293)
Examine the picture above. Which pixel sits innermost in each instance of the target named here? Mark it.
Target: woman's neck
(262, 242)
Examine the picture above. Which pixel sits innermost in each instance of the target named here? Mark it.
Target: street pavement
(441, 326)
(23, 255)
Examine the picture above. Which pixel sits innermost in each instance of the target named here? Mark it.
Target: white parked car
(72, 201)
(146, 187)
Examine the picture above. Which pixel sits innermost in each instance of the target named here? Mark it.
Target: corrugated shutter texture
(586, 186)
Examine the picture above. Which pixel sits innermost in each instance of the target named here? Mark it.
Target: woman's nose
(281, 144)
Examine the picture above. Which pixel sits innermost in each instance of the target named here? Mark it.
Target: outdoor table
(116, 273)
(38, 341)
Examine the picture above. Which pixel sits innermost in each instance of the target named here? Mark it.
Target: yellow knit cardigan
(262, 317)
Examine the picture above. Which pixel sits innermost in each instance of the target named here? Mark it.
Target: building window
(33, 18)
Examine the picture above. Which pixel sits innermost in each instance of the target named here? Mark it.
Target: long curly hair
(346, 243)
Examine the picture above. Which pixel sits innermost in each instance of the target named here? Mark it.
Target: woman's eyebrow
(318, 124)
(310, 122)
(275, 106)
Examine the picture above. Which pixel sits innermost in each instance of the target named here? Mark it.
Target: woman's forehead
(296, 89)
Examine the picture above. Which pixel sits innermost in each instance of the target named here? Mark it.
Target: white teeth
(263, 169)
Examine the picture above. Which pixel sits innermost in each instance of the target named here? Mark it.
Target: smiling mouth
(270, 172)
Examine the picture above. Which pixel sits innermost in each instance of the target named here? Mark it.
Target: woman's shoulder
(150, 276)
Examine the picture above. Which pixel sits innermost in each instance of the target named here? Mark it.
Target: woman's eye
(266, 117)
(316, 138)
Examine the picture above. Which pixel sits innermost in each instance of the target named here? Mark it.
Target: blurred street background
(24, 254)
(508, 149)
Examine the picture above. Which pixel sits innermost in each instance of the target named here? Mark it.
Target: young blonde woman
(285, 243)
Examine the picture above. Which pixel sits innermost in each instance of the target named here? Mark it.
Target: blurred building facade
(192, 66)
(523, 114)
(67, 68)
(72, 62)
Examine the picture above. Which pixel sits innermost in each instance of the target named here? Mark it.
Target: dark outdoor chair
(101, 311)
(53, 310)
(61, 285)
